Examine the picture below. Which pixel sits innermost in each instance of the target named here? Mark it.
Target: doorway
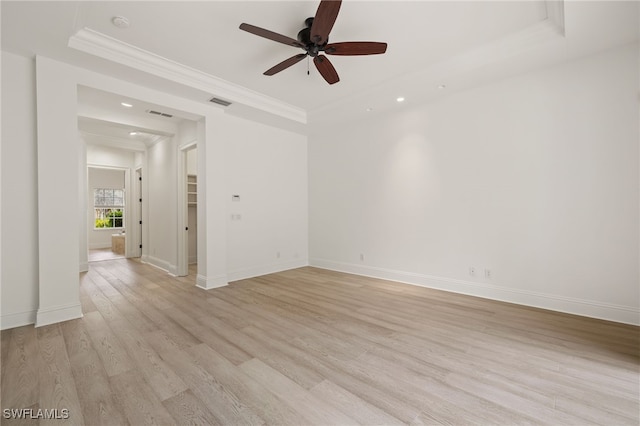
(156, 147)
(187, 209)
(107, 212)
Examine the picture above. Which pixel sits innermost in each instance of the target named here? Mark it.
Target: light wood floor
(98, 255)
(309, 346)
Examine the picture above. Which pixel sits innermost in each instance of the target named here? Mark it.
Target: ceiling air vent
(220, 102)
(162, 114)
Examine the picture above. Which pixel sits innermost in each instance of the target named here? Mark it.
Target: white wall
(19, 197)
(535, 178)
(267, 168)
(105, 178)
(1, 139)
(187, 132)
(138, 158)
(162, 204)
(58, 155)
(102, 178)
(83, 185)
(98, 155)
(192, 161)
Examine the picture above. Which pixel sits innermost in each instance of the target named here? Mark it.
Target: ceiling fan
(314, 39)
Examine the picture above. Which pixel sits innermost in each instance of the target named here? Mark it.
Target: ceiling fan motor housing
(304, 37)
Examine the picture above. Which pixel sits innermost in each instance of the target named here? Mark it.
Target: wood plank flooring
(98, 255)
(315, 347)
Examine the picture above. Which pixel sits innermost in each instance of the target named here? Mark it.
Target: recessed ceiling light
(120, 21)
(124, 104)
(400, 99)
(133, 133)
(442, 86)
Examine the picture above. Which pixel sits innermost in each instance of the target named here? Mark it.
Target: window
(109, 208)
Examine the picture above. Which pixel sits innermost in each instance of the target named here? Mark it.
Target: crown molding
(109, 48)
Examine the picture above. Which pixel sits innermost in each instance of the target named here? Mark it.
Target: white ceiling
(118, 135)
(459, 44)
(205, 36)
(104, 120)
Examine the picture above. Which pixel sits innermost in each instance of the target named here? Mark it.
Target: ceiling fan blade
(285, 64)
(352, 48)
(270, 35)
(323, 21)
(326, 69)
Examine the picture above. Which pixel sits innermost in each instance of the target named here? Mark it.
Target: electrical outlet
(361, 257)
(472, 271)
(487, 273)
(277, 255)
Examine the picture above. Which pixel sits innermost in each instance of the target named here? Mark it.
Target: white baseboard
(193, 259)
(84, 267)
(17, 319)
(208, 283)
(256, 271)
(571, 305)
(55, 314)
(160, 264)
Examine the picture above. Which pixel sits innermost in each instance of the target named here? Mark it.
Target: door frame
(138, 199)
(182, 267)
